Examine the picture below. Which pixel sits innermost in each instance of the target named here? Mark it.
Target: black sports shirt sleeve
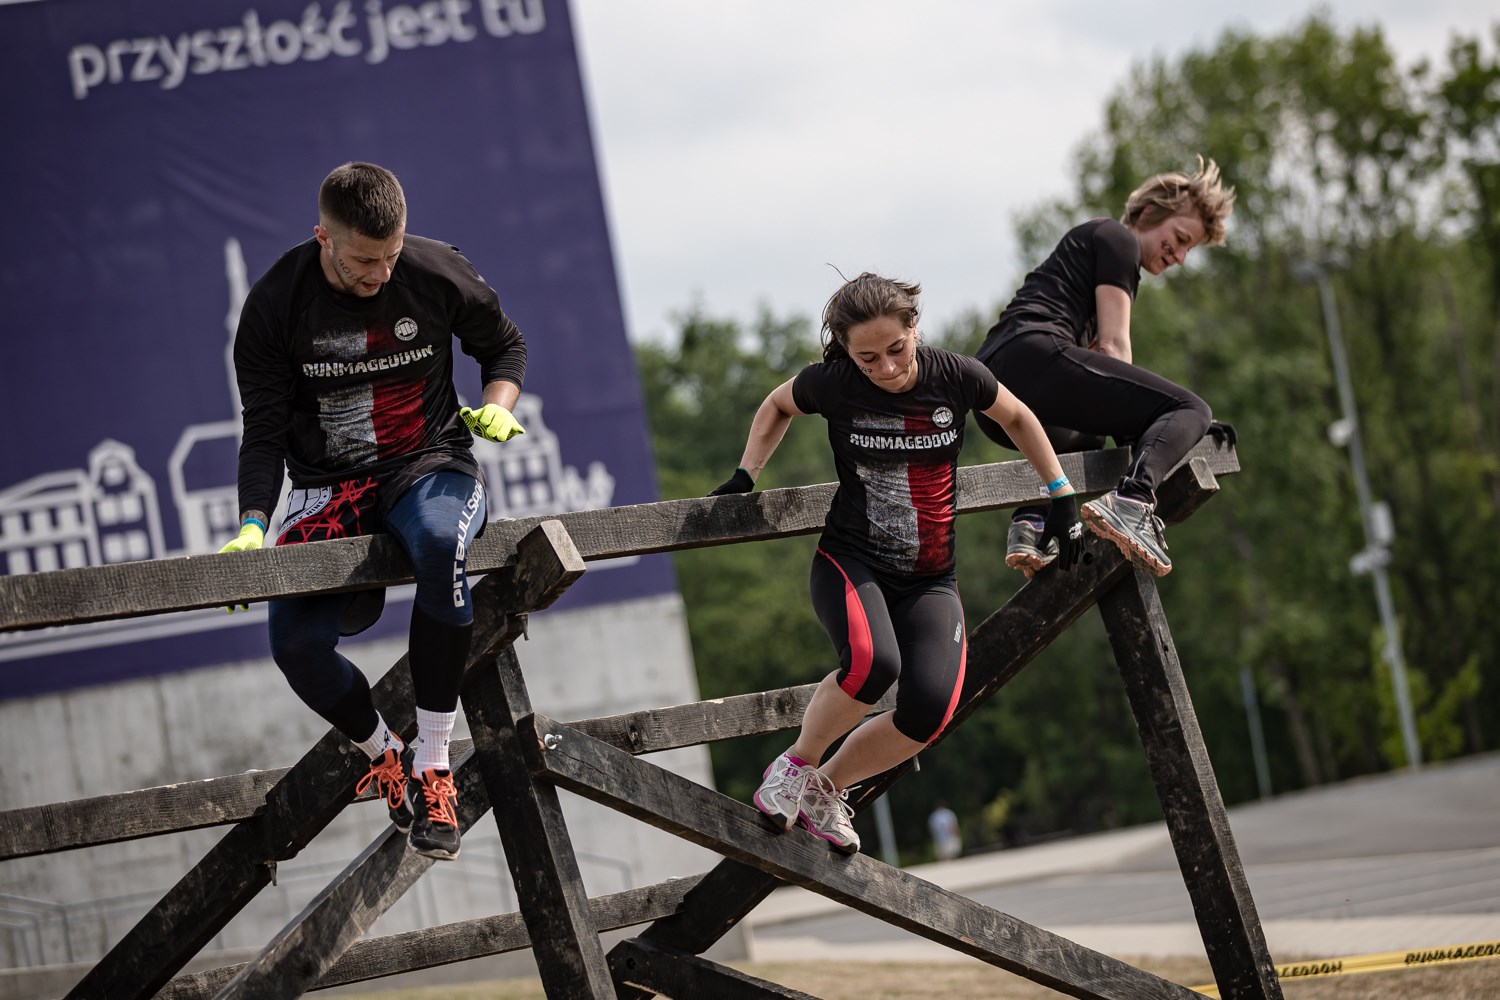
(807, 386)
(263, 372)
(1117, 258)
(484, 332)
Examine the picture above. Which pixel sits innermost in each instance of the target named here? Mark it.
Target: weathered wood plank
(682, 807)
(999, 648)
(298, 807)
(307, 948)
(1190, 799)
(150, 812)
(641, 965)
(130, 590)
(447, 944)
(534, 834)
(655, 729)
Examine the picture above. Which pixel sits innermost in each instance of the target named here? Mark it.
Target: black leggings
(1082, 396)
(884, 629)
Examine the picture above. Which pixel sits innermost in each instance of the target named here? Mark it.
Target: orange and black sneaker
(434, 800)
(388, 774)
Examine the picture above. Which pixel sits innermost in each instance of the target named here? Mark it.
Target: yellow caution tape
(1382, 962)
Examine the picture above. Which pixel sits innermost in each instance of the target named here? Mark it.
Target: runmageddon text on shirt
(905, 442)
(342, 33)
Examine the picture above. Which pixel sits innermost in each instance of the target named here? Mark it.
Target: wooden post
(1190, 799)
(534, 834)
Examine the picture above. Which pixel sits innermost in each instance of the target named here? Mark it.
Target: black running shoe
(434, 800)
(388, 774)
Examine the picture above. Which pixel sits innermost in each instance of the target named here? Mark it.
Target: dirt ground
(1478, 980)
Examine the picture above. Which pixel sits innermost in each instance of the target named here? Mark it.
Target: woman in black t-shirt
(1063, 347)
(882, 579)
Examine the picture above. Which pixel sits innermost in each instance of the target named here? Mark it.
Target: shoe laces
(793, 779)
(829, 799)
(388, 777)
(1148, 519)
(441, 795)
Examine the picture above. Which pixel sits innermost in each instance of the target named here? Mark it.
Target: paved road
(1417, 854)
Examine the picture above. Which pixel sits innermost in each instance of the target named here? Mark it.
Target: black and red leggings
(885, 628)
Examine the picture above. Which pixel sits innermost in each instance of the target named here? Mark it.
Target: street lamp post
(1375, 515)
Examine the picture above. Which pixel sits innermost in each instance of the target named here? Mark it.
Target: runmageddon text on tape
(1383, 962)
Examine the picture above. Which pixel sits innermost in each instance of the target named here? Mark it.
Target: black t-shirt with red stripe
(896, 454)
(338, 386)
(1059, 295)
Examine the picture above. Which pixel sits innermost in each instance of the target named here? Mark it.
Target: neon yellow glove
(251, 536)
(492, 422)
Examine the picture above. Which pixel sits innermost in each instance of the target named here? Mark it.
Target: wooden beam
(534, 834)
(193, 805)
(297, 808)
(655, 729)
(641, 965)
(682, 807)
(999, 648)
(135, 589)
(447, 944)
(1190, 800)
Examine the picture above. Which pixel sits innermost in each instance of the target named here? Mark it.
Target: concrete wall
(237, 717)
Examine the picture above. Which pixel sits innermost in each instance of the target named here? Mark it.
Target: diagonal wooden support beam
(1184, 777)
(299, 807)
(307, 948)
(999, 648)
(682, 807)
(412, 951)
(642, 965)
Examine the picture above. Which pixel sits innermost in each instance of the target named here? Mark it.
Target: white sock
(381, 740)
(432, 740)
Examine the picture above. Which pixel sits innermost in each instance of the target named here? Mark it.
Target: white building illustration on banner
(109, 511)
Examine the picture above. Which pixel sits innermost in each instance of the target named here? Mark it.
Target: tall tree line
(1387, 176)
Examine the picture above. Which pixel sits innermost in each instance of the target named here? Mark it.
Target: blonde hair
(860, 300)
(1171, 194)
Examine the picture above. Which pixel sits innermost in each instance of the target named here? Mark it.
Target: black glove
(740, 482)
(1222, 433)
(1063, 525)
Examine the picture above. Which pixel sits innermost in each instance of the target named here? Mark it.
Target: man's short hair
(365, 198)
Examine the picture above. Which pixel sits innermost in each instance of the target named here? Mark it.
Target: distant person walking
(942, 824)
(1063, 347)
(344, 359)
(882, 579)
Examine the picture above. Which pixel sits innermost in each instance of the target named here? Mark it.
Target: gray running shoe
(1022, 551)
(780, 793)
(826, 813)
(1134, 528)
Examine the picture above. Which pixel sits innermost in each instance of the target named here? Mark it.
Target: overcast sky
(744, 146)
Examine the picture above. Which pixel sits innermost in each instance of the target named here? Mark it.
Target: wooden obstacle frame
(520, 758)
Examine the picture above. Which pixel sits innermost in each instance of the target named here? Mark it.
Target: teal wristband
(255, 521)
(1057, 484)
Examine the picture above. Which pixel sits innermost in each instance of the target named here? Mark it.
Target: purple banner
(161, 155)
